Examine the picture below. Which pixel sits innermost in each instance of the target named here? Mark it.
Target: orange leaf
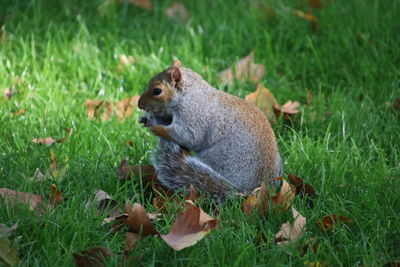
(288, 109)
(291, 232)
(328, 221)
(191, 226)
(138, 221)
(264, 100)
(56, 197)
(92, 257)
(126, 106)
(285, 196)
(13, 197)
(307, 16)
(244, 70)
(258, 200)
(146, 4)
(178, 10)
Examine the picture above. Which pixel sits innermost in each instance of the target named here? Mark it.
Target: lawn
(345, 142)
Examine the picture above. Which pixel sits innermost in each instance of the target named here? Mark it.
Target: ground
(345, 141)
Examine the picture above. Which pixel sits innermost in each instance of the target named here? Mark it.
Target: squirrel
(217, 142)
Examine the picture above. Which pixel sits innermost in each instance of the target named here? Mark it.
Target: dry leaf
(56, 197)
(49, 140)
(147, 172)
(264, 100)
(302, 188)
(146, 4)
(8, 254)
(126, 106)
(178, 10)
(56, 172)
(38, 175)
(396, 104)
(18, 113)
(131, 240)
(286, 195)
(328, 221)
(307, 16)
(191, 226)
(138, 221)
(244, 70)
(8, 93)
(105, 205)
(92, 257)
(126, 60)
(288, 109)
(315, 264)
(192, 194)
(291, 232)
(13, 197)
(258, 200)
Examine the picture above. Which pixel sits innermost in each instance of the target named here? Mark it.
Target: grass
(64, 52)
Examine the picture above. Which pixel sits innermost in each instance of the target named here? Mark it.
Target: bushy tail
(177, 171)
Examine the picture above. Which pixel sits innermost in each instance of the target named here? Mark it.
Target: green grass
(66, 52)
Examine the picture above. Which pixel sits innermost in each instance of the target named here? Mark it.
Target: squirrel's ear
(176, 75)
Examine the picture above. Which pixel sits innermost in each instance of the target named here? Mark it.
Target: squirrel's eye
(157, 91)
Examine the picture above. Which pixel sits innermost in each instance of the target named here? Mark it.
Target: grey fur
(234, 144)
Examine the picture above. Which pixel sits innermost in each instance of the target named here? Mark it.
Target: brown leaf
(264, 100)
(92, 257)
(290, 108)
(8, 254)
(138, 220)
(13, 197)
(286, 195)
(396, 104)
(126, 106)
(191, 226)
(302, 188)
(328, 221)
(8, 93)
(56, 197)
(291, 232)
(307, 16)
(244, 70)
(147, 172)
(178, 10)
(49, 140)
(131, 240)
(18, 113)
(106, 205)
(258, 200)
(39, 176)
(126, 60)
(146, 4)
(192, 194)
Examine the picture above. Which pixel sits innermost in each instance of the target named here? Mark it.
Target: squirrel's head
(161, 89)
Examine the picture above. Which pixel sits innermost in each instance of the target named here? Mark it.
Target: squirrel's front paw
(143, 120)
(147, 122)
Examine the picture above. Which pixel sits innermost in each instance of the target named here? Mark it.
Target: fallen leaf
(307, 16)
(8, 254)
(44, 141)
(192, 194)
(258, 200)
(138, 221)
(55, 171)
(56, 197)
(8, 93)
(396, 104)
(18, 113)
(146, 4)
(315, 263)
(126, 60)
(264, 100)
(38, 175)
(302, 188)
(328, 221)
(286, 195)
(105, 205)
(244, 70)
(92, 257)
(291, 232)
(147, 172)
(126, 106)
(290, 108)
(178, 10)
(32, 200)
(104, 109)
(131, 240)
(190, 227)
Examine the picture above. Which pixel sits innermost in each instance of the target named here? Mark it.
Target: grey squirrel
(234, 145)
